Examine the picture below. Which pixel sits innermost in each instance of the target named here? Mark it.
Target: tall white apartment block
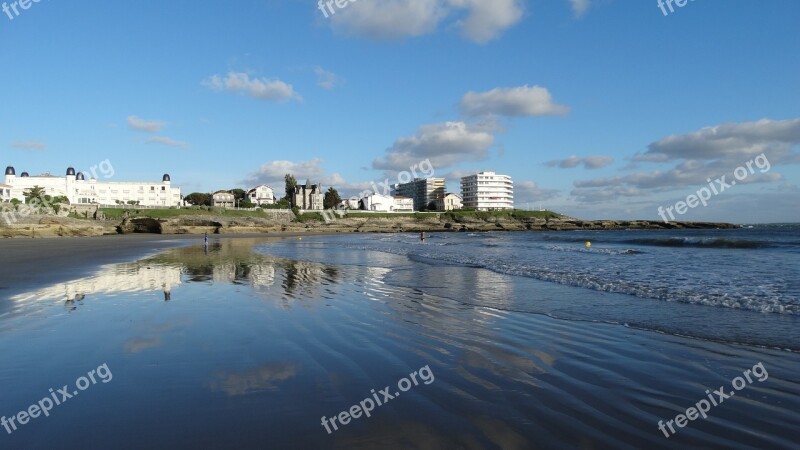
(488, 191)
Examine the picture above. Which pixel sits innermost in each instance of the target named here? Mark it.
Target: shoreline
(38, 261)
(53, 227)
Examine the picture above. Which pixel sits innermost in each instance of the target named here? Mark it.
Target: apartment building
(426, 192)
(487, 191)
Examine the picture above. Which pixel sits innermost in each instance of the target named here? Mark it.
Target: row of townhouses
(307, 197)
(484, 191)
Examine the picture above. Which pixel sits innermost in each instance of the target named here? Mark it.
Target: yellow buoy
(588, 244)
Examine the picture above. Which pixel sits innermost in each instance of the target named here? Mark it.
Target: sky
(596, 108)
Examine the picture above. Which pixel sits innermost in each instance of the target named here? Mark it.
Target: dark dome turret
(80, 177)
(166, 177)
(24, 175)
(70, 171)
(10, 171)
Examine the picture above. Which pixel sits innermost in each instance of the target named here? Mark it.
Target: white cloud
(580, 7)
(29, 145)
(327, 80)
(708, 153)
(397, 19)
(519, 101)
(732, 142)
(163, 140)
(588, 162)
(258, 88)
(529, 191)
(444, 144)
(606, 194)
(150, 126)
(273, 172)
(486, 20)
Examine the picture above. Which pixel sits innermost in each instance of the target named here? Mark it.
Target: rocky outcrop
(381, 225)
(53, 226)
(203, 224)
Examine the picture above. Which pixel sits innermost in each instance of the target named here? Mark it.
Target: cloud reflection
(264, 377)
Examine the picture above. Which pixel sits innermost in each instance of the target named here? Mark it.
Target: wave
(596, 251)
(676, 242)
(771, 302)
(699, 242)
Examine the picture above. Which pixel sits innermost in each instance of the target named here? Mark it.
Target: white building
(350, 203)
(5, 193)
(385, 203)
(403, 204)
(450, 202)
(261, 195)
(487, 191)
(79, 190)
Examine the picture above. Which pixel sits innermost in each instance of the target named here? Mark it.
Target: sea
(495, 340)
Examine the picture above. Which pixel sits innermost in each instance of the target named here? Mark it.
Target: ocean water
(531, 340)
(731, 273)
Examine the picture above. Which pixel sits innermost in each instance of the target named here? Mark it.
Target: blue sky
(597, 108)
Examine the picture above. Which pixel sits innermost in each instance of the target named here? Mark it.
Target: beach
(36, 261)
(471, 340)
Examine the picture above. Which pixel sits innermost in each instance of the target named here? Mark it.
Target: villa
(450, 202)
(308, 197)
(385, 203)
(223, 199)
(261, 195)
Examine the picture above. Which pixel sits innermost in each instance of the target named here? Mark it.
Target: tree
(238, 194)
(35, 192)
(332, 199)
(198, 199)
(291, 184)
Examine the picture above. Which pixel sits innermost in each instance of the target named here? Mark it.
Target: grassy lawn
(451, 215)
(309, 216)
(366, 215)
(488, 215)
(117, 213)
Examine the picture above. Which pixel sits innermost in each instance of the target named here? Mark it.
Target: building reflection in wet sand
(228, 261)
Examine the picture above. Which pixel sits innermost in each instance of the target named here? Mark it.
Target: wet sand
(251, 350)
(31, 262)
